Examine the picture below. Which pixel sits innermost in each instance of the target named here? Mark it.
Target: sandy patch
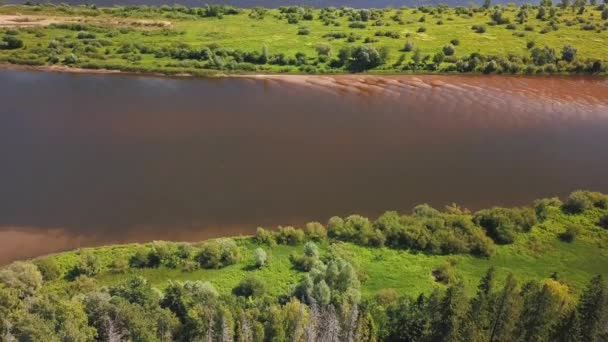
(18, 20)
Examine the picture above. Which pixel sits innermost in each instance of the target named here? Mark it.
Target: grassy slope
(242, 32)
(535, 255)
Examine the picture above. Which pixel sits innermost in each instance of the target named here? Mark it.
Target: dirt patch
(18, 20)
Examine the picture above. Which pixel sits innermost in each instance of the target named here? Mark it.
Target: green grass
(247, 34)
(534, 255)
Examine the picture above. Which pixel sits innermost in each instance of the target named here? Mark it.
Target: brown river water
(96, 159)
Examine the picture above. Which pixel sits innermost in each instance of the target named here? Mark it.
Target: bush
(580, 201)
(303, 31)
(265, 237)
(315, 231)
(141, 258)
(543, 56)
(23, 277)
(501, 224)
(10, 43)
(260, 258)
(569, 235)
(541, 207)
(250, 287)
(479, 28)
(444, 273)
(70, 59)
(409, 46)
(364, 58)
(603, 222)
(48, 268)
(218, 254)
(120, 265)
(290, 236)
(530, 45)
(568, 53)
(86, 35)
(357, 25)
(88, 265)
(421, 29)
(455, 42)
(449, 50)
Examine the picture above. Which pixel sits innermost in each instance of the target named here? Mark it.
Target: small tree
(569, 235)
(568, 53)
(250, 287)
(409, 46)
(449, 50)
(22, 276)
(260, 258)
(88, 265)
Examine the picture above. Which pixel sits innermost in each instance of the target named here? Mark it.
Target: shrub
(88, 265)
(120, 265)
(501, 224)
(10, 43)
(265, 237)
(365, 57)
(311, 250)
(290, 236)
(323, 49)
(543, 56)
(303, 31)
(218, 254)
(569, 235)
(86, 35)
(449, 50)
(316, 231)
(541, 207)
(141, 258)
(357, 25)
(530, 44)
(23, 277)
(568, 53)
(444, 273)
(250, 287)
(455, 42)
(603, 222)
(70, 59)
(580, 201)
(421, 29)
(479, 28)
(48, 268)
(409, 46)
(260, 258)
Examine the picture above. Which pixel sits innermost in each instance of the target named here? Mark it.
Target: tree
(365, 57)
(315, 230)
(23, 277)
(505, 312)
(250, 287)
(593, 311)
(568, 53)
(322, 293)
(487, 4)
(311, 250)
(605, 13)
(449, 50)
(10, 43)
(409, 46)
(48, 268)
(451, 316)
(479, 317)
(260, 258)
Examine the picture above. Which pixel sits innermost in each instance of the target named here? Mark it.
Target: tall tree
(479, 318)
(453, 310)
(506, 311)
(593, 311)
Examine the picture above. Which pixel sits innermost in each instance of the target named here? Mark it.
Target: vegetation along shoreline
(525, 273)
(546, 39)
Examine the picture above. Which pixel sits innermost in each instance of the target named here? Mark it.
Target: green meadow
(222, 40)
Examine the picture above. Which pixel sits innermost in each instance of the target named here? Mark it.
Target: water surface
(91, 159)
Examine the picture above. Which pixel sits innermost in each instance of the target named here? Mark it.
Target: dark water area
(93, 159)
(278, 3)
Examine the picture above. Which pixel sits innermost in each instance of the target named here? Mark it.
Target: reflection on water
(90, 159)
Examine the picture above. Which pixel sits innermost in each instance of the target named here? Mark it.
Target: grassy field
(161, 32)
(535, 255)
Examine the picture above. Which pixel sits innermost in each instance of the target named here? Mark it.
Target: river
(93, 159)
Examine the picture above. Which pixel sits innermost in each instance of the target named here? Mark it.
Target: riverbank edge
(220, 75)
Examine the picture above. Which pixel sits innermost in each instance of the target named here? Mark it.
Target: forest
(534, 273)
(550, 38)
